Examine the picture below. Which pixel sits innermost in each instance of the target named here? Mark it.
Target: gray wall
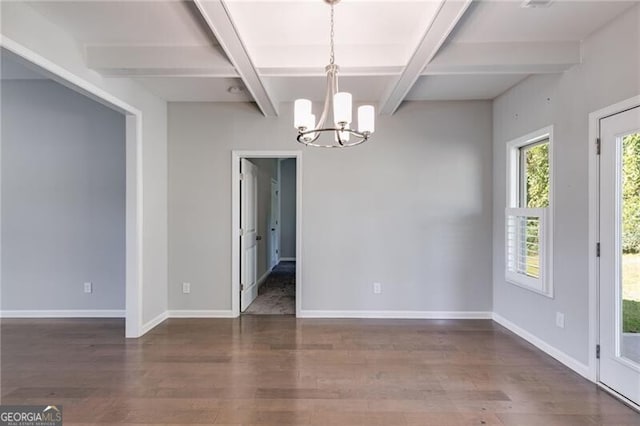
(267, 170)
(610, 72)
(288, 208)
(411, 208)
(63, 199)
(22, 24)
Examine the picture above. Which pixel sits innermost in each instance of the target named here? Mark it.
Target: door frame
(134, 326)
(594, 233)
(235, 222)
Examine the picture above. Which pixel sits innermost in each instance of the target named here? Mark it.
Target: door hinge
(241, 232)
(598, 146)
(241, 286)
(597, 249)
(597, 351)
(241, 176)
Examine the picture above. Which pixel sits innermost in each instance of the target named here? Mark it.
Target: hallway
(277, 296)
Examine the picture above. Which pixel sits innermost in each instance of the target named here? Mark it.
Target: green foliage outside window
(537, 172)
(631, 194)
(537, 186)
(535, 160)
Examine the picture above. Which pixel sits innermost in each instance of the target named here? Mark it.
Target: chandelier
(342, 134)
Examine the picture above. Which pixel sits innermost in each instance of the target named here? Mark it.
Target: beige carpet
(277, 296)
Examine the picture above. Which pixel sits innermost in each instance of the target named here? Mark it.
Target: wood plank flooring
(279, 370)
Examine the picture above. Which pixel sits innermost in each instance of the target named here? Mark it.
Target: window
(527, 216)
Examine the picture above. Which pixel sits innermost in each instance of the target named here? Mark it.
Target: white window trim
(512, 204)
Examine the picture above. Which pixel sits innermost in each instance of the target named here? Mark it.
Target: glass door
(619, 280)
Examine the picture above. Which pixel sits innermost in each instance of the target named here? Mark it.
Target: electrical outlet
(377, 288)
(88, 288)
(560, 319)
(186, 288)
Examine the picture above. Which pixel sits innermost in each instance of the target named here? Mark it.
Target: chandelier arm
(334, 83)
(327, 101)
(361, 136)
(338, 137)
(310, 141)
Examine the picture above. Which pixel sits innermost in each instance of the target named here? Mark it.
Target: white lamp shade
(301, 113)
(366, 119)
(311, 122)
(342, 108)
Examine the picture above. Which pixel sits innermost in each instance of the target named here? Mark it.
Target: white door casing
(618, 369)
(235, 158)
(248, 234)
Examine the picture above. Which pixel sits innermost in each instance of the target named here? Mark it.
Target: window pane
(534, 187)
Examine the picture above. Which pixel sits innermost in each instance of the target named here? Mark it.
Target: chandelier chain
(332, 55)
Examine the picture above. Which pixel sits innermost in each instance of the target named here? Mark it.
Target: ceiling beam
(158, 61)
(444, 22)
(505, 58)
(319, 72)
(217, 17)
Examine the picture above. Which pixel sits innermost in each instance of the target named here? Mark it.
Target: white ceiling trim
(447, 17)
(217, 17)
(157, 61)
(505, 58)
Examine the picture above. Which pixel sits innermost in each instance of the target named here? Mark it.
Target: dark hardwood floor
(281, 371)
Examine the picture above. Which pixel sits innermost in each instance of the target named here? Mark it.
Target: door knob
(258, 237)
(273, 229)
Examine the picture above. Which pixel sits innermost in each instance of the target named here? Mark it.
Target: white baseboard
(569, 361)
(154, 323)
(201, 314)
(287, 259)
(67, 313)
(185, 314)
(397, 314)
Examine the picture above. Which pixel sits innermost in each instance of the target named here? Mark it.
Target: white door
(619, 281)
(248, 233)
(275, 224)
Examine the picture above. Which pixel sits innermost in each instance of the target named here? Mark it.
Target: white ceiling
(296, 33)
(127, 22)
(563, 20)
(388, 50)
(195, 89)
(363, 88)
(457, 87)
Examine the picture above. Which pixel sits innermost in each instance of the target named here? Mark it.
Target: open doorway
(126, 298)
(266, 238)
